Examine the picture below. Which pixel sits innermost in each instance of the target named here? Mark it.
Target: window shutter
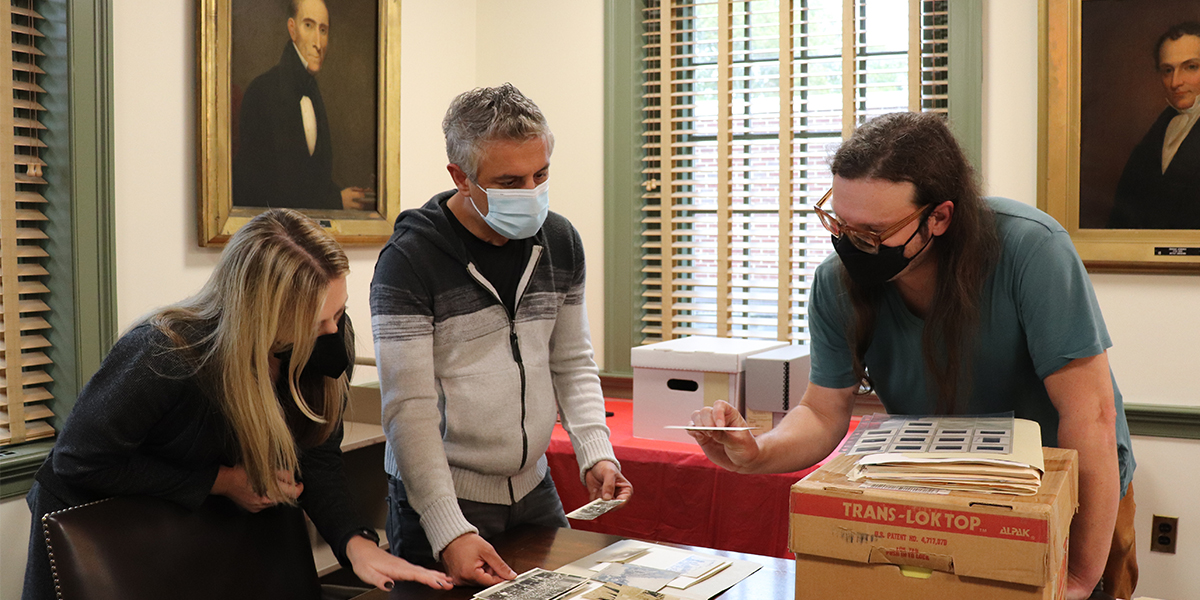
(729, 240)
(935, 56)
(23, 359)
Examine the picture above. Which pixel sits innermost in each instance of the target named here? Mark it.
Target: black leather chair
(138, 548)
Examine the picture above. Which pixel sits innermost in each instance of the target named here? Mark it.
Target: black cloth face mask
(870, 270)
(328, 358)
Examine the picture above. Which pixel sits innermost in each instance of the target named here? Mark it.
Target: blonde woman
(238, 392)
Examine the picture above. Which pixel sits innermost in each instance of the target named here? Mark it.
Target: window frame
(81, 210)
(622, 159)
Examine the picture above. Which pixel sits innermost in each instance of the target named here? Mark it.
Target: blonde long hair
(269, 285)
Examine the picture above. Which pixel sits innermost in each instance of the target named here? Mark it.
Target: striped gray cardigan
(470, 395)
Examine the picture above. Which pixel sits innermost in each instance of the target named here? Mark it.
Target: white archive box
(775, 382)
(673, 379)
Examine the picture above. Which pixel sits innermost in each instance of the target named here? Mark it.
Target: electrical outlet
(1163, 534)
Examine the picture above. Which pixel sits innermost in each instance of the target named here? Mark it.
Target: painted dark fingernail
(388, 585)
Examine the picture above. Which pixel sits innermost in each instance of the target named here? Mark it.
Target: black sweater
(146, 424)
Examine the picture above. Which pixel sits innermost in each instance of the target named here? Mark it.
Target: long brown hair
(270, 284)
(919, 148)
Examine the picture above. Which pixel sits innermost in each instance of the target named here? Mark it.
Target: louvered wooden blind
(23, 396)
(729, 239)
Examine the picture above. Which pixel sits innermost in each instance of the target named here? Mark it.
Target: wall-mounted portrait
(298, 111)
(1120, 153)
(1139, 162)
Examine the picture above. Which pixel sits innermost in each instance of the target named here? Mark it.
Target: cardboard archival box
(854, 541)
(775, 382)
(672, 379)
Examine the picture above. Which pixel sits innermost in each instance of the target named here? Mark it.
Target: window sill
(18, 464)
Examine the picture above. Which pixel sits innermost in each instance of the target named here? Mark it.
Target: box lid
(699, 353)
(786, 353)
(1015, 539)
(790, 352)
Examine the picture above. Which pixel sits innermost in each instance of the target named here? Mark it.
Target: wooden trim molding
(20, 464)
(1157, 420)
(87, 303)
(622, 192)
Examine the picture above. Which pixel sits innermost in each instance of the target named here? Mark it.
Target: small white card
(699, 428)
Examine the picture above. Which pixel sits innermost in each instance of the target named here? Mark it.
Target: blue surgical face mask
(516, 214)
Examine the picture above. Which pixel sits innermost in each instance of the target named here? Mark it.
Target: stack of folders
(995, 455)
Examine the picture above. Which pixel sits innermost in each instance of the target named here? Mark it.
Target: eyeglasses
(867, 241)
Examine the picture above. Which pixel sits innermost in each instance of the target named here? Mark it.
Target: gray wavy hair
(488, 114)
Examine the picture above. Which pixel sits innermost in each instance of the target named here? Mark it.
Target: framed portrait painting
(299, 108)
(1119, 158)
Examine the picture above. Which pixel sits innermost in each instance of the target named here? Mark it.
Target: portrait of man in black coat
(284, 150)
(1160, 184)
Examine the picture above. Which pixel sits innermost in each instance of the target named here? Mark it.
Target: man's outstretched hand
(470, 559)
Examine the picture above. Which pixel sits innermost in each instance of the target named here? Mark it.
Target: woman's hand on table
(375, 566)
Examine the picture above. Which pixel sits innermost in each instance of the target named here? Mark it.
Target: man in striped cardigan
(481, 337)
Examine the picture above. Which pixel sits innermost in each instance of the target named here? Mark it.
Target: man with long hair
(482, 340)
(944, 302)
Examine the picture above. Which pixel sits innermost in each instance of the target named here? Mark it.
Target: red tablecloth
(679, 496)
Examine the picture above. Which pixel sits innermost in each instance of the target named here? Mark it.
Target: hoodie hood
(430, 222)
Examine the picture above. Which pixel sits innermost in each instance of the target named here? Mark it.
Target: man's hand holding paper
(728, 449)
(605, 481)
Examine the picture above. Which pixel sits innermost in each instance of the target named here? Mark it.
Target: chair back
(138, 547)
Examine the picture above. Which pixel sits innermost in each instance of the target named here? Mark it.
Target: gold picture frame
(1060, 144)
(218, 217)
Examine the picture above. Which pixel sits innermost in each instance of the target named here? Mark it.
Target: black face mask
(870, 270)
(328, 357)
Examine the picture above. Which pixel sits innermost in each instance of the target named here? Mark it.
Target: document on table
(539, 584)
(535, 584)
(675, 572)
(635, 575)
(613, 591)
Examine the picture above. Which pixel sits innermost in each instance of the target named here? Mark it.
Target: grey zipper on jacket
(534, 255)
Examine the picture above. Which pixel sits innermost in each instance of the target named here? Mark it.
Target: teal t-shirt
(1039, 313)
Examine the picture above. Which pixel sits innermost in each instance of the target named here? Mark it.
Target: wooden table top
(526, 547)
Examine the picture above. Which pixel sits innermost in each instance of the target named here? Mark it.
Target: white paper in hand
(593, 509)
(701, 428)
